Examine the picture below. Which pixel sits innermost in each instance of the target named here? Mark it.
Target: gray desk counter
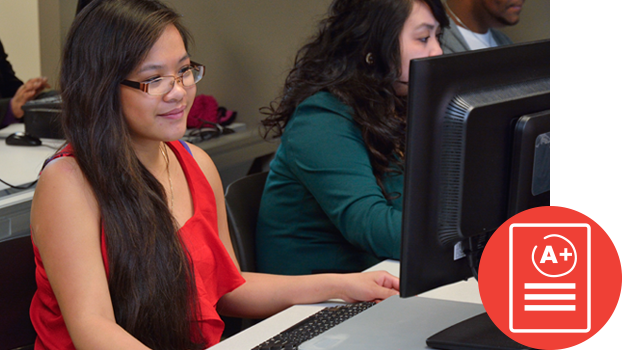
(429, 317)
(433, 311)
(234, 154)
(19, 165)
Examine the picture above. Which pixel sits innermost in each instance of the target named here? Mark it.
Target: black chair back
(242, 203)
(17, 287)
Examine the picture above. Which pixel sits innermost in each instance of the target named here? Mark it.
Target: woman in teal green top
(333, 200)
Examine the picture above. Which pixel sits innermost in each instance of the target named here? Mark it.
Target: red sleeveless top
(215, 273)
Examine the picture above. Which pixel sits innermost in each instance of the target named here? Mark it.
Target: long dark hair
(150, 277)
(334, 60)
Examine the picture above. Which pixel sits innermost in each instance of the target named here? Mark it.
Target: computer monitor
(477, 152)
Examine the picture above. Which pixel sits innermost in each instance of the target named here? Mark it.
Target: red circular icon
(550, 278)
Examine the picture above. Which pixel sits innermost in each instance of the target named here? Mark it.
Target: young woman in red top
(129, 224)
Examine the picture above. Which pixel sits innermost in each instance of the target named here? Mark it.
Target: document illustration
(549, 278)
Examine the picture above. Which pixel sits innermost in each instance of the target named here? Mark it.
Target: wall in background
(247, 46)
(534, 23)
(50, 38)
(19, 32)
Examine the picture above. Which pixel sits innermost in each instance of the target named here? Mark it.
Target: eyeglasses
(162, 85)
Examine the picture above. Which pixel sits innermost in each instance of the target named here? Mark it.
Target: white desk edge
(465, 291)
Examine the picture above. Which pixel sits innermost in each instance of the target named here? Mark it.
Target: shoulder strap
(65, 152)
(185, 146)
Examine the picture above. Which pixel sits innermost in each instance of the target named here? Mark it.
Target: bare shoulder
(63, 198)
(62, 176)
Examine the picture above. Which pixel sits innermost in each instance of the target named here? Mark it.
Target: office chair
(242, 204)
(17, 287)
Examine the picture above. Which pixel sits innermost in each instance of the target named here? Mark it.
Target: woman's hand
(369, 286)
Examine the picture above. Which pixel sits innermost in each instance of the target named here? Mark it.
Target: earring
(369, 58)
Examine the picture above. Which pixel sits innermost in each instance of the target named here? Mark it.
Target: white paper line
(549, 307)
(549, 296)
(549, 285)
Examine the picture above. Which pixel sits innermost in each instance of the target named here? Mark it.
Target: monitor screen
(477, 152)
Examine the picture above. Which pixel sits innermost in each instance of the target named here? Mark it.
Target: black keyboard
(312, 326)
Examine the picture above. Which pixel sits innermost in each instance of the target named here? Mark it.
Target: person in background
(14, 93)
(473, 23)
(333, 197)
(128, 223)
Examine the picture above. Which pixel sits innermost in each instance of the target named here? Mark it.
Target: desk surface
(462, 297)
(20, 165)
(464, 291)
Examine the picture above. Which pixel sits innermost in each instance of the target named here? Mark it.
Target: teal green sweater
(322, 209)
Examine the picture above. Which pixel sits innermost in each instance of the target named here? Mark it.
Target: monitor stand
(475, 333)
